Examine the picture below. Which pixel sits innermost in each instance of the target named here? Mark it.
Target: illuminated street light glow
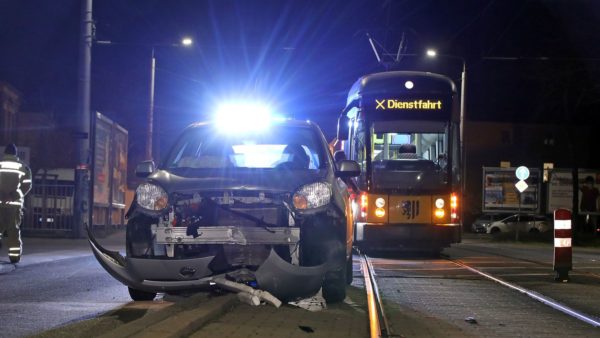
(409, 85)
(187, 41)
(431, 53)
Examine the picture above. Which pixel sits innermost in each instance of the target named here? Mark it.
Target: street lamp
(432, 53)
(185, 42)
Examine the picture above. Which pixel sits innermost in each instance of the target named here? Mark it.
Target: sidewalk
(37, 250)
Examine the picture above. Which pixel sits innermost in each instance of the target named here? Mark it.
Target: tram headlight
(439, 203)
(379, 212)
(151, 197)
(439, 213)
(312, 196)
(380, 202)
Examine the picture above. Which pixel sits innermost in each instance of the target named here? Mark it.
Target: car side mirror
(144, 169)
(339, 155)
(348, 168)
(343, 128)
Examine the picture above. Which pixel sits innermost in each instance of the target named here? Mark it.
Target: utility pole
(150, 124)
(81, 207)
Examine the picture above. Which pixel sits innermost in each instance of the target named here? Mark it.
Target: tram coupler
(563, 250)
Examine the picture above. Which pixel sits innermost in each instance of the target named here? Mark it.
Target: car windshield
(282, 147)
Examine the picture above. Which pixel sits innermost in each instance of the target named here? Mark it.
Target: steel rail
(388, 331)
(374, 328)
(545, 300)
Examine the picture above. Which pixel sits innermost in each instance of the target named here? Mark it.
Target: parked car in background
(525, 223)
(482, 222)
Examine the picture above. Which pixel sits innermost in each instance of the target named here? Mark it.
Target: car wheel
(494, 230)
(139, 295)
(534, 231)
(349, 271)
(334, 286)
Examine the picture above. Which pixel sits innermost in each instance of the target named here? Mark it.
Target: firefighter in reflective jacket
(15, 183)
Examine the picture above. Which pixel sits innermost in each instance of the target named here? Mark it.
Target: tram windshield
(409, 155)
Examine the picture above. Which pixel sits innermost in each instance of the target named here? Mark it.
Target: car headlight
(152, 197)
(312, 196)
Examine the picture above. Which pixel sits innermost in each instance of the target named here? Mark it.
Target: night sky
(301, 56)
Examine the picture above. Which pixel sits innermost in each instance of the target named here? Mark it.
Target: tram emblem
(410, 209)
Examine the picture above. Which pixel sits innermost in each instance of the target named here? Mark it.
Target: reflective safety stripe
(562, 242)
(15, 203)
(562, 224)
(26, 181)
(15, 171)
(16, 248)
(14, 254)
(10, 165)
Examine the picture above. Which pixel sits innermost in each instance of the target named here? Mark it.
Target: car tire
(349, 271)
(334, 286)
(494, 231)
(534, 231)
(139, 295)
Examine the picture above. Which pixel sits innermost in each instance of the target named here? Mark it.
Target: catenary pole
(82, 215)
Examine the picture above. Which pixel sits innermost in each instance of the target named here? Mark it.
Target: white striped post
(563, 251)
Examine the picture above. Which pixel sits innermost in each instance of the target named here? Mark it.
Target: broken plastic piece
(249, 299)
(471, 320)
(238, 287)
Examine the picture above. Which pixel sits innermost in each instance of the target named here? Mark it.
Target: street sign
(522, 173)
(521, 186)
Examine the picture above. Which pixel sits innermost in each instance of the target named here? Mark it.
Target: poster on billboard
(501, 195)
(110, 163)
(102, 132)
(560, 190)
(119, 168)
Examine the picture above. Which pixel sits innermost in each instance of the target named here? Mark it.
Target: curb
(177, 320)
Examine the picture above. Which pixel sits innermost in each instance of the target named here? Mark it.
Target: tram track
(532, 294)
(377, 312)
(532, 261)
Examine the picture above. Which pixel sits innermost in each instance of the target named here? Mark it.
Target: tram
(402, 127)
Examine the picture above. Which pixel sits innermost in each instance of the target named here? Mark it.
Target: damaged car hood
(186, 179)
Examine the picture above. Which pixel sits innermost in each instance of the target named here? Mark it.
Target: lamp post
(185, 42)
(432, 53)
(463, 80)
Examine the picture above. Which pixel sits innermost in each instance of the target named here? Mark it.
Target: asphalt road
(57, 282)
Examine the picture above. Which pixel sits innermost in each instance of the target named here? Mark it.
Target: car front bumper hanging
(275, 275)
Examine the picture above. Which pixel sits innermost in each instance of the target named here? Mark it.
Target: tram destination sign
(404, 104)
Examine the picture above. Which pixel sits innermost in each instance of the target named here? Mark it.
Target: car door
(510, 223)
(526, 223)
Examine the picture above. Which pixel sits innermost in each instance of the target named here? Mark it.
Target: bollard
(563, 252)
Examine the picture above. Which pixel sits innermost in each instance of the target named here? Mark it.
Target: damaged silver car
(262, 208)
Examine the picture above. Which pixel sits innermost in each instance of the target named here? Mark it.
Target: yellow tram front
(403, 129)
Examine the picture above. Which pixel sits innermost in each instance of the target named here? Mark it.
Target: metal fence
(49, 207)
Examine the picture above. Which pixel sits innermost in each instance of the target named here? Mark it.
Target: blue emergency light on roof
(243, 116)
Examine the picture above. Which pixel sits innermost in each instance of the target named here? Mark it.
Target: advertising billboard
(560, 190)
(501, 195)
(110, 163)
